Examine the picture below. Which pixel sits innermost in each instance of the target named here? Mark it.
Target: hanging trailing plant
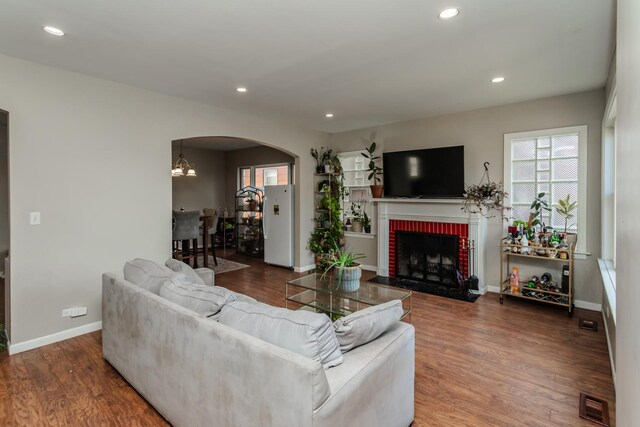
(486, 197)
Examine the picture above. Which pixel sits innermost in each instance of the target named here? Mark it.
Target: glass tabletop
(368, 293)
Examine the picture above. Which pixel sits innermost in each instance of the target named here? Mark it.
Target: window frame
(252, 173)
(582, 131)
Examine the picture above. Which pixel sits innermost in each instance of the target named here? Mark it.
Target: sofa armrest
(206, 274)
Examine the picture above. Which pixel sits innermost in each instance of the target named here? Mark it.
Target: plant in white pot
(565, 208)
(374, 171)
(356, 217)
(346, 270)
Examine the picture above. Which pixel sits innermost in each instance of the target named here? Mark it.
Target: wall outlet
(34, 218)
(74, 312)
(78, 311)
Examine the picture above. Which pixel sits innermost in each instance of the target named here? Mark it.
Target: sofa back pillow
(181, 267)
(303, 332)
(147, 274)
(366, 325)
(204, 300)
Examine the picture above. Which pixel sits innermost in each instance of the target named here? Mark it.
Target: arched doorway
(221, 166)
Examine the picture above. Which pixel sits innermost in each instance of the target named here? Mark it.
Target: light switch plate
(34, 218)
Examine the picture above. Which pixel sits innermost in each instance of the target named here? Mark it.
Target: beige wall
(250, 157)
(627, 209)
(113, 201)
(207, 189)
(482, 133)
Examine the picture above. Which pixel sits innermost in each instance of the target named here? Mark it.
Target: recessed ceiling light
(329, 115)
(449, 13)
(241, 89)
(53, 30)
(497, 80)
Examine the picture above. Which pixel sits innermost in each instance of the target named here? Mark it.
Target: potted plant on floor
(565, 208)
(374, 171)
(346, 270)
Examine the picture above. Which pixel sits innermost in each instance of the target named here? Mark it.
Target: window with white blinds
(553, 162)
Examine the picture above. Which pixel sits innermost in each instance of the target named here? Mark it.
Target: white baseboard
(579, 304)
(613, 366)
(493, 288)
(304, 268)
(588, 305)
(369, 267)
(53, 338)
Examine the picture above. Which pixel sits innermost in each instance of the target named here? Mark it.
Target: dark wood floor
(479, 364)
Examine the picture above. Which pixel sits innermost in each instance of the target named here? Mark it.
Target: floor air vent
(594, 409)
(589, 325)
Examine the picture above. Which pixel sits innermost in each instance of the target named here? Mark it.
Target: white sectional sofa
(198, 372)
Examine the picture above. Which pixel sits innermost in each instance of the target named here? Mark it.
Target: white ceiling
(218, 143)
(368, 61)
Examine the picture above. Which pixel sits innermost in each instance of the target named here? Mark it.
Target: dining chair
(213, 228)
(186, 228)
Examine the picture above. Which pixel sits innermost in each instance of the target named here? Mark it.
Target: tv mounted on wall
(428, 173)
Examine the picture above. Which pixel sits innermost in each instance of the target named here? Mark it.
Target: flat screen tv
(429, 173)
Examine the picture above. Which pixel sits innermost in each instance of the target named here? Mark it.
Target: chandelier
(183, 165)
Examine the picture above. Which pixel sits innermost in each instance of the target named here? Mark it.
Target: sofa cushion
(147, 274)
(204, 300)
(181, 267)
(303, 332)
(241, 297)
(366, 325)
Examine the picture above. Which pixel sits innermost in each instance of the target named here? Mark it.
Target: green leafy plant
(538, 205)
(565, 208)
(3, 337)
(484, 198)
(321, 156)
(324, 239)
(366, 220)
(356, 212)
(374, 170)
(341, 258)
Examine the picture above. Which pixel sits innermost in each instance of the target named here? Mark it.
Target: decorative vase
(367, 229)
(376, 191)
(348, 278)
(319, 168)
(328, 169)
(356, 226)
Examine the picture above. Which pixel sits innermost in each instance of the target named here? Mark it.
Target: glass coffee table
(324, 295)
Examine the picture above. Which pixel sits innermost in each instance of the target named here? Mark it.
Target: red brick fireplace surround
(450, 229)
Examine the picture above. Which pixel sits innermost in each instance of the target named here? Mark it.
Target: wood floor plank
(477, 364)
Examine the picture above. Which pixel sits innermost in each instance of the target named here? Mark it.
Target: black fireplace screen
(427, 257)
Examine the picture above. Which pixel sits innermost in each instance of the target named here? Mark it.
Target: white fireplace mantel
(430, 210)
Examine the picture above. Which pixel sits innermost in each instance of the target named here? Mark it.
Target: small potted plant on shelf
(535, 217)
(374, 171)
(252, 204)
(356, 217)
(366, 222)
(320, 157)
(565, 208)
(327, 161)
(345, 268)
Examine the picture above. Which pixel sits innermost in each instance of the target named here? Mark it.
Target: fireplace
(437, 216)
(427, 257)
